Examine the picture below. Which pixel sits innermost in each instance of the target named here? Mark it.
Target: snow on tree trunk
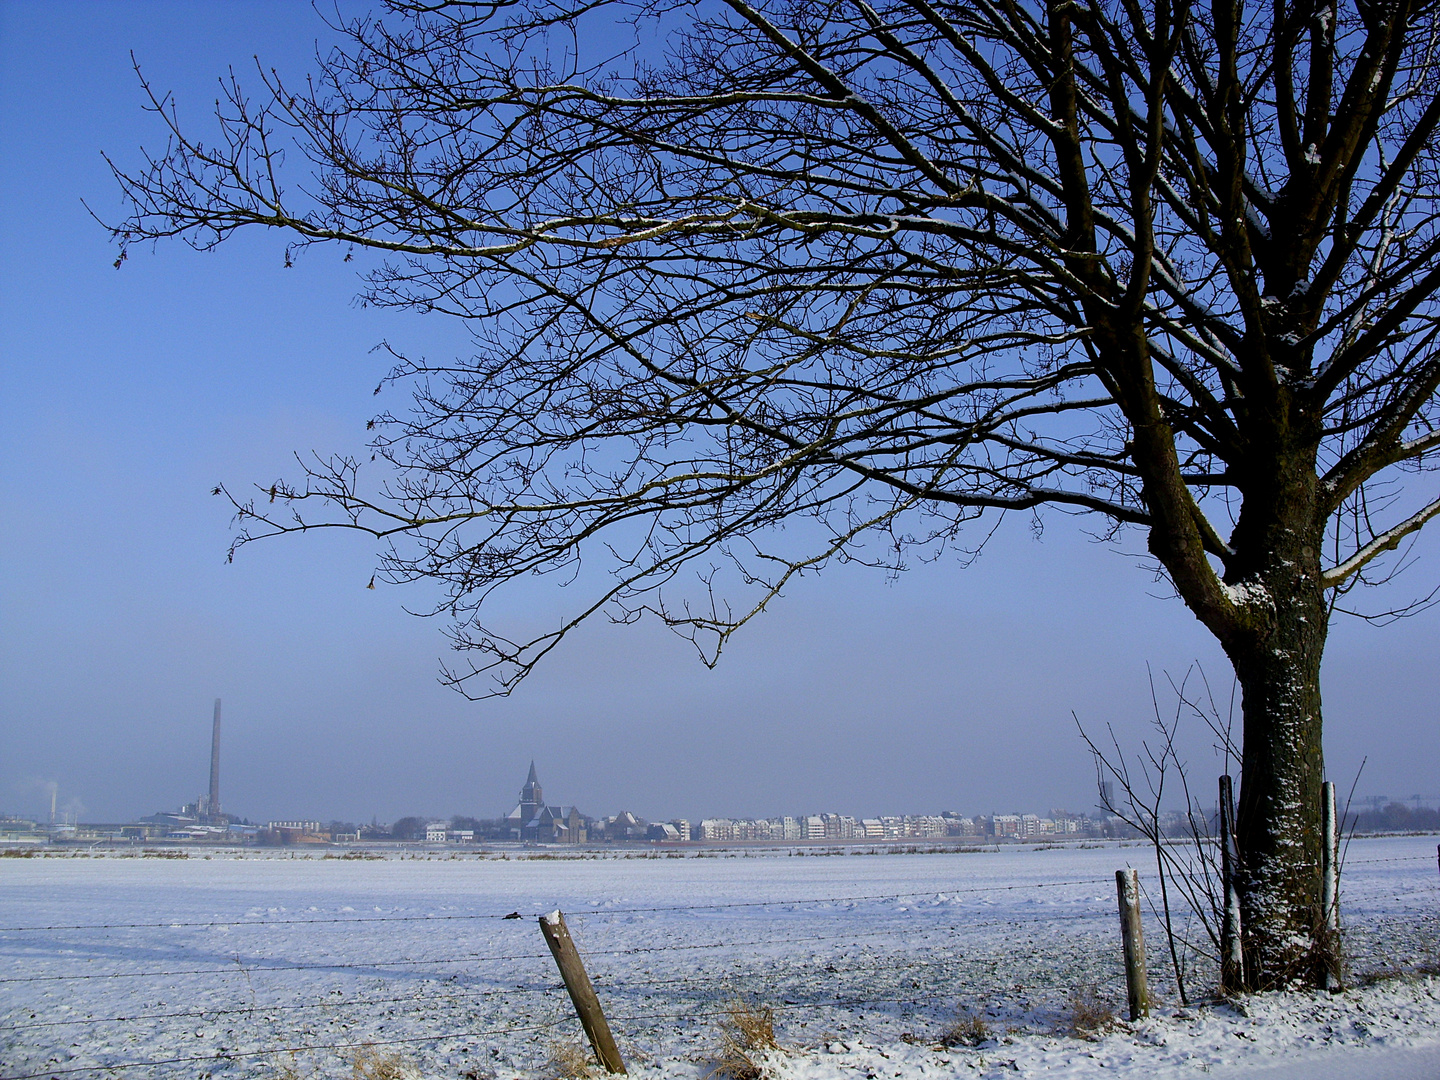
(1278, 822)
(1277, 661)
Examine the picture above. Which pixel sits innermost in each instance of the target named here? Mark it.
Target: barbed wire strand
(262, 968)
(612, 983)
(422, 1039)
(228, 1055)
(347, 1003)
(521, 916)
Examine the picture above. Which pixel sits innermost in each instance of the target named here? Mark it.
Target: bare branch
(1388, 540)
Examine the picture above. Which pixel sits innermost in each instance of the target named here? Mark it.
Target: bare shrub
(1090, 1017)
(746, 1031)
(571, 1060)
(1189, 860)
(969, 1029)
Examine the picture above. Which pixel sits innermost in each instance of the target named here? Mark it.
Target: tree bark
(1278, 822)
(1277, 662)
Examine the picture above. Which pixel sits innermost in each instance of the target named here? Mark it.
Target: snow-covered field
(208, 964)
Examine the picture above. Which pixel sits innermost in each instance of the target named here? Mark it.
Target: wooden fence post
(1330, 884)
(582, 994)
(1127, 888)
(1232, 964)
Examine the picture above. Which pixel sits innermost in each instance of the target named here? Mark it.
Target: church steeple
(531, 794)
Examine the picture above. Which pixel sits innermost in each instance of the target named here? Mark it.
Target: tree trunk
(1278, 823)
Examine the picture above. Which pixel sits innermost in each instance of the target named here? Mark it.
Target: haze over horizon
(126, 396)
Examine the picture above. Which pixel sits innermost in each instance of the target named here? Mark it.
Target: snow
(1248, 594)
(1352, 1063)
(867, 958)
(1285, 1036)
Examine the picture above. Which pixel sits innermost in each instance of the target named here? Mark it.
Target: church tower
(531, 796)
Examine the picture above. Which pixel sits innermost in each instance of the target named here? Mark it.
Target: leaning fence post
(1232, 964)
(582, 993)
(1127, 888)
(1330, 884)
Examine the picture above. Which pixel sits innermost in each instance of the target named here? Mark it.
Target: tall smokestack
(215, 764)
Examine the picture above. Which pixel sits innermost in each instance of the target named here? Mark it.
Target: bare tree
(871, 269)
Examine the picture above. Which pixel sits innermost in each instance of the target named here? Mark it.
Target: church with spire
(536, 821)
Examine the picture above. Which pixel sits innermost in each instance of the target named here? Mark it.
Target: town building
(535, 821)
(713, 829)
(626, 827)
(1003, 825)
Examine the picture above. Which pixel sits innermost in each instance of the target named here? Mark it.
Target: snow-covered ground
(208, 964)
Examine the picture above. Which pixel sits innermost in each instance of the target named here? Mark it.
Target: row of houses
(910, 826)
(536, 821)
(566, 825)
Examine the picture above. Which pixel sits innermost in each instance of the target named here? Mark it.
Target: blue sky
(126, 395)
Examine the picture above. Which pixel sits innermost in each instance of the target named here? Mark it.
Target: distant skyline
(657, 815)
(125, 396)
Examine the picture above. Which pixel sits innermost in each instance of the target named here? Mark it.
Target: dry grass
(1380, 975)
(746, 1031)
(1090, 1017)
(969, 1029)
(367, 1064)
(1396, 973)
(571, 1060)
(371, 1064)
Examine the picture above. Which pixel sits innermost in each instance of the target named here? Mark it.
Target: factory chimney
(215, 764)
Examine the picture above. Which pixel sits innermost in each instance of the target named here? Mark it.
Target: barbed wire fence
(833, 968)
